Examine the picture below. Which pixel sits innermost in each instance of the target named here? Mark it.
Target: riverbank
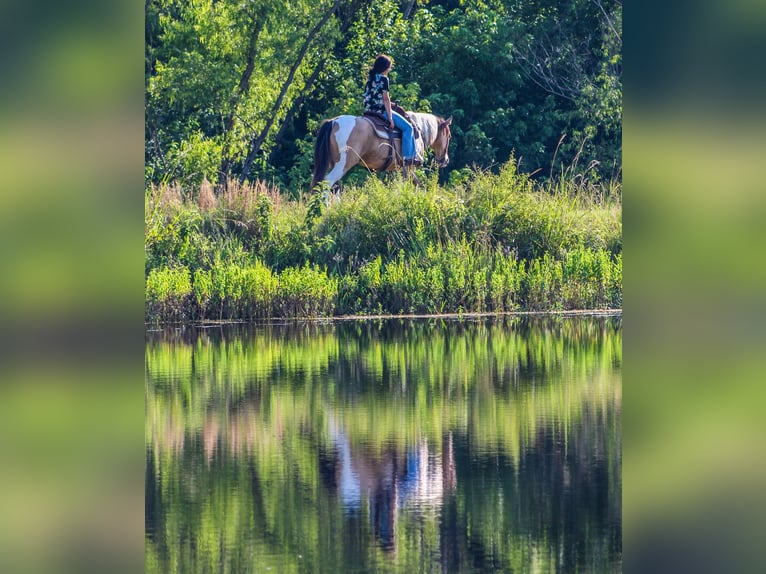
(216, 323)
(495, 243)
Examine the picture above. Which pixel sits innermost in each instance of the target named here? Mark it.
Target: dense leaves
(236, 89)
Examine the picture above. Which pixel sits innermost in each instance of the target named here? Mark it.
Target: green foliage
(289, 243)
(231, 83)
(509, 212)
(306, 292)
(217, 81)
(172, 230)
(543, 284)
(182, 229)
(227, 291)
(193, 160)
(359, 293)
(380, 219)
(456, 278)
(591, 280)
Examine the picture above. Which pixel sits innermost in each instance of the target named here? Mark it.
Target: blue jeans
(408, 140)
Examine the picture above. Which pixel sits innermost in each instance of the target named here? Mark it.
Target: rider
(376, 99)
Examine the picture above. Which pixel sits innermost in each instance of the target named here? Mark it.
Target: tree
(261, 137)
(238, 88)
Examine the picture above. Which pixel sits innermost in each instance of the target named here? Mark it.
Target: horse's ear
(448, 121)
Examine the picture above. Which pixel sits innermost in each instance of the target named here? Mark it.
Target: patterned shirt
(373, 94)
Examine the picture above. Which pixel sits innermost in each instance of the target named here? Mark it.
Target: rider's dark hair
(382, 63)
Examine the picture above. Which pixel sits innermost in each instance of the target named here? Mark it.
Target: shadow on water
(490, 445)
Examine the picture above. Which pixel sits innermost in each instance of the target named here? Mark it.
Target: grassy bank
(494, 243)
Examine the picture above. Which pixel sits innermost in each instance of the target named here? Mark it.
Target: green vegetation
(492, 243)
(235, 93)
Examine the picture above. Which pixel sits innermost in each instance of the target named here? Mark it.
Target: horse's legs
(346, 160)
(332, 179)
(337, 172)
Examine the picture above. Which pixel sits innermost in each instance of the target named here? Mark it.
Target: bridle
(442, 127)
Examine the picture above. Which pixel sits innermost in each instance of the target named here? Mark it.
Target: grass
(492, 243)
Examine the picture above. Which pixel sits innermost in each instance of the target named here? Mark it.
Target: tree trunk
(261, 137)
(347, 16)
(409, 9)
(298, 102)
(242, 89)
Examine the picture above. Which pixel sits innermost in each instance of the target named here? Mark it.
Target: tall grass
(493, 243)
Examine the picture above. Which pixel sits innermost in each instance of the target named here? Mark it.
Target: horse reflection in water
(387, 482)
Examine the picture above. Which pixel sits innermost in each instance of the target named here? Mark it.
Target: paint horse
(346, 141)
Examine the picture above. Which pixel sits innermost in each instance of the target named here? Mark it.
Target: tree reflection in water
(395, 446)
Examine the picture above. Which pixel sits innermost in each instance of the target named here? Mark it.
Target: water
(491, 445)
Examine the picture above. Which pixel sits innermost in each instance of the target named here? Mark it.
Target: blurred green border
(71, 159)
(694, 285)
(71, 292)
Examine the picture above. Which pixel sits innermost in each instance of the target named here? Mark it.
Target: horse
(345, 141)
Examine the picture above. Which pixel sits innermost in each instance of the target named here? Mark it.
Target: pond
(433, 445)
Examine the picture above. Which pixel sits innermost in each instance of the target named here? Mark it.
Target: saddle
(380, 125)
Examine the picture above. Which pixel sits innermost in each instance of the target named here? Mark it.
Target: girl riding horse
(377, 100)
(345, 141)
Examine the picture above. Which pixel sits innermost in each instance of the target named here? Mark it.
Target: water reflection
(415, 478)
(395, 446)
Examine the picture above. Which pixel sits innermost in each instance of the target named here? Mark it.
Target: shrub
(380, 219)
(505, 283)
(173, 238)
(361, 292)
(167, 294)
(203, 291)
(542, 284)
(288, 244)
(228, 291)
(591, 280)
(195, 159)
(403, 287)
(305, 292)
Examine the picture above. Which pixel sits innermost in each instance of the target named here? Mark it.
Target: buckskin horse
(345, 141)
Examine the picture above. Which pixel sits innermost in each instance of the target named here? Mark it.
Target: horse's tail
(322, 153)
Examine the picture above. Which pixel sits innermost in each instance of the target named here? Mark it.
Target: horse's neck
(427, 125)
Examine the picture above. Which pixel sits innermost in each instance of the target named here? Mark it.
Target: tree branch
(347, 19)
(608, 20)
(541, 63)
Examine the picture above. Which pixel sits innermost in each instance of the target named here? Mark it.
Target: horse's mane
(428, 124)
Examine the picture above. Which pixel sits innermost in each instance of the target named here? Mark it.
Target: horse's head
(441, 143)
